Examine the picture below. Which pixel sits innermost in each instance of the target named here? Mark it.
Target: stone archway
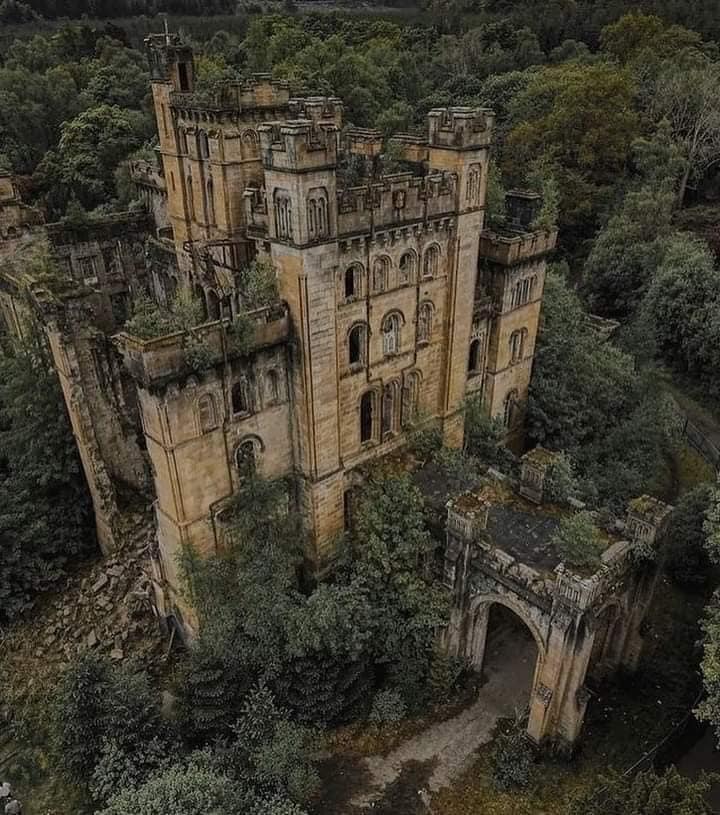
(503, 643)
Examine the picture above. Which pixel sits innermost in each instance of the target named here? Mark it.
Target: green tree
(578, 541)
(580, 119)
(683, 304)
(687, 560)
(637, 37)
(647, 793)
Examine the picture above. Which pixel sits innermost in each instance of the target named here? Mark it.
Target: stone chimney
(534, 466)
(522, 208)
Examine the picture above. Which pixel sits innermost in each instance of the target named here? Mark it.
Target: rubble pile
(106, 606)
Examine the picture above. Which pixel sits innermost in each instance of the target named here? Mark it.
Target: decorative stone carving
(544, 694)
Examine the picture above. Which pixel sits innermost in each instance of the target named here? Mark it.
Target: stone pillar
(535, 465)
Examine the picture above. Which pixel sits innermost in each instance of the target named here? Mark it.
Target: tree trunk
(683, 186)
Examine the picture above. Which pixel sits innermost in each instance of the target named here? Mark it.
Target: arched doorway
(506, 652)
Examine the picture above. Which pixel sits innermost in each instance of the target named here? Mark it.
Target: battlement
(510, 248)
(159, 361)
(318, 109)
(394, 199)
(298, 146)
(258, 93)
(411, 146)
(146, 174)
(460, 128)
(165, 52)
(363, 141)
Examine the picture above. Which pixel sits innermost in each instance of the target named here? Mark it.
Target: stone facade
(585, 626)
(395, 304)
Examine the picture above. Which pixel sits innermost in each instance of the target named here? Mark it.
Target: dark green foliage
(587, 399)
(647, 793)
(485, 437)
(96, 704)
(577, 541)
(687, 560)
(513, 757)
(45, 510)
(388, 707)
(446, 673)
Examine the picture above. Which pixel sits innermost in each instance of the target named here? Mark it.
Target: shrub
(121, 766)
(446, 673)
(560, 481)
(577, 540)
(388, 707)
(258, 285)
(512, 758)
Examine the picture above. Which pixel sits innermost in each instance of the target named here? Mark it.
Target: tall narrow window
(407, 268)
(510, 411)
(183, 77)
(206, 413)
(213, 305)
(203, 145)
(239, 397)
(210, 196)
(283, 215)
(473, 185)
(389, 408)
(391, 334)
(431, 262)
(190, 196)
(474, 358)
(273, 385)
(352, 282)
(366, 417)
(381, 271)
(411, 397)
(356, 345)
(425, 315)
(517, 345)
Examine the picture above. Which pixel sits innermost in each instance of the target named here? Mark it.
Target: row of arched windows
(523, 291)
(398, 407)
(250, 141)
(391, 328)
(317, 216)
(353, 279)
(242, 400)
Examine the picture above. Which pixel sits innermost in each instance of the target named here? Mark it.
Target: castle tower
(300, 159)
(459, 143)
(511, 278)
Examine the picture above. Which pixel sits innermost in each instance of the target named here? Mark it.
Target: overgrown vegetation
(577, 540)
(45, 511)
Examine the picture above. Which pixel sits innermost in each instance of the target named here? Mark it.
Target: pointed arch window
(203, 144)
(273, 386)
(247, 455)
(411, 398)
(425, 318)
(510, 408)
(356, 345)
(390, 408)
(352, 282)
(210, 201)
(473, 185)
(408, 264)
(391, 334)
(190, 196)
(474, 357)
(431, 261)
(517, 345)
(207, 414)
(381, 274)
(240, 397)
(367, 417)
(283, 215)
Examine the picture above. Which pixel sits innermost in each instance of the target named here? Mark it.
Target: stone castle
(396, 303)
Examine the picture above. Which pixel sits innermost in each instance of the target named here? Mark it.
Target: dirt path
(446, 748)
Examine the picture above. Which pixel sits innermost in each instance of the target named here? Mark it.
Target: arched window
(381, 273)
(431, 262)
(273, 386)
(317, 215)
(239, 397)
(356, 345)
(391, 334)
(210, 199)
(407, 268)
(200, 297)
(510, 408)
(517, 345)
(213, 305)
(389, 407)
(352, 282)
(283, 215)
(425, 316)
(203, 144)
(367, 410)
(183, 142)
(473, 185)
(190, 195)
(411, 397)
(207, 416)
(247, 454)
(475, 356)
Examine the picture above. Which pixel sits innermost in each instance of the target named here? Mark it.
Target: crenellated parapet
(298, 146)
(460, 128)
